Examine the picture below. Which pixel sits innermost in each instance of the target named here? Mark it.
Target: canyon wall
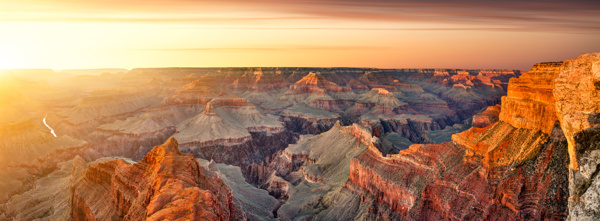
(577, 95)
(532, 157)
(165, 184)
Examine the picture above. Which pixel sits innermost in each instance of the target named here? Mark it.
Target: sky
(67, 34)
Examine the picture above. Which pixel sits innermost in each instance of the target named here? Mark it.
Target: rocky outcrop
(230, 119)
(317, 92)
(256, 203)
(393, 183)
(486, 118)
(412, 127)
(531, 186)
(306, 172)
(515, 167)
(379, 101)
(577, 95)
(199, 91)
(258, 81)
(306, 120)
(231, 130)
(529, 102)
(166, 184)
(261, 87)
(48, 198)
(247, 116)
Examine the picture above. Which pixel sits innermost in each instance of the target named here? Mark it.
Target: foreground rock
(48, 198)
(577, 95)
(487, 117)
(166, 184)
(513, 168)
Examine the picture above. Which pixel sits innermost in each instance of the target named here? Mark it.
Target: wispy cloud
(268, 48)
(544, 15)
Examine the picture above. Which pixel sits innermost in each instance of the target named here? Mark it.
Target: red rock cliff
(577, 95)
(511, 169)
(165, 185)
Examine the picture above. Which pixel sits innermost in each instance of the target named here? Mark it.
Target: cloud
(536, 15)
(268, 48)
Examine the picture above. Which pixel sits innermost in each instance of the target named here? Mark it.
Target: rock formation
(232, 130)
(487, 117)
(313, 169)
(256, 203)
(317, 92)
(306, 120)
(247, 117)
(515, 167)
(577, 95)
(48, 197)
(166, 184)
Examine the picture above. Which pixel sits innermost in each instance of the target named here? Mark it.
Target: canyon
(304, 144)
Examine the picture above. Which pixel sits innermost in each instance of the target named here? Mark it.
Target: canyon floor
(302, 143)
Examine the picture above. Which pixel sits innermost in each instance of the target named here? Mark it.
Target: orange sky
(64, 34)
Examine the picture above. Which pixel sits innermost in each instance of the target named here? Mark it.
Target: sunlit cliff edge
(539, 161)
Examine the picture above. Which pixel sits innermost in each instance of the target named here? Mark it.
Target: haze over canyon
(301, 143)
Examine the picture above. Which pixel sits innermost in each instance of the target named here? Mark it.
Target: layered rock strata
(317, 92)
(306, 120)
(166, 184)
(577, 95)
(233, 131)
(511, 168)
(486, 118)
(313, 169)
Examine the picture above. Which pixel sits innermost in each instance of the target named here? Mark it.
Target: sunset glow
(387, 34)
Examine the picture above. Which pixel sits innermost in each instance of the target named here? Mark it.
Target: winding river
(51, 130)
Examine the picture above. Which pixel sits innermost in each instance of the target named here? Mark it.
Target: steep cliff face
(487, 117)
(199, 91)
(307, 174)
(258, 81)
(247, 116)
(515, 167)
(231, 130)
(529, 102)
(577, 95)
(317, 92)
(502, 184)
(392, 184)
(166, 184)
(261, 87)
(380, 101)
(306, 120)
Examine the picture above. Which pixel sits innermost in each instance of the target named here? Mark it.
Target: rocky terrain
(165, 184)
(303, 144)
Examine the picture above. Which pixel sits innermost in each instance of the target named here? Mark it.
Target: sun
(6, 59)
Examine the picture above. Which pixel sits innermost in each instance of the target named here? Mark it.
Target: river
(51, 130)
